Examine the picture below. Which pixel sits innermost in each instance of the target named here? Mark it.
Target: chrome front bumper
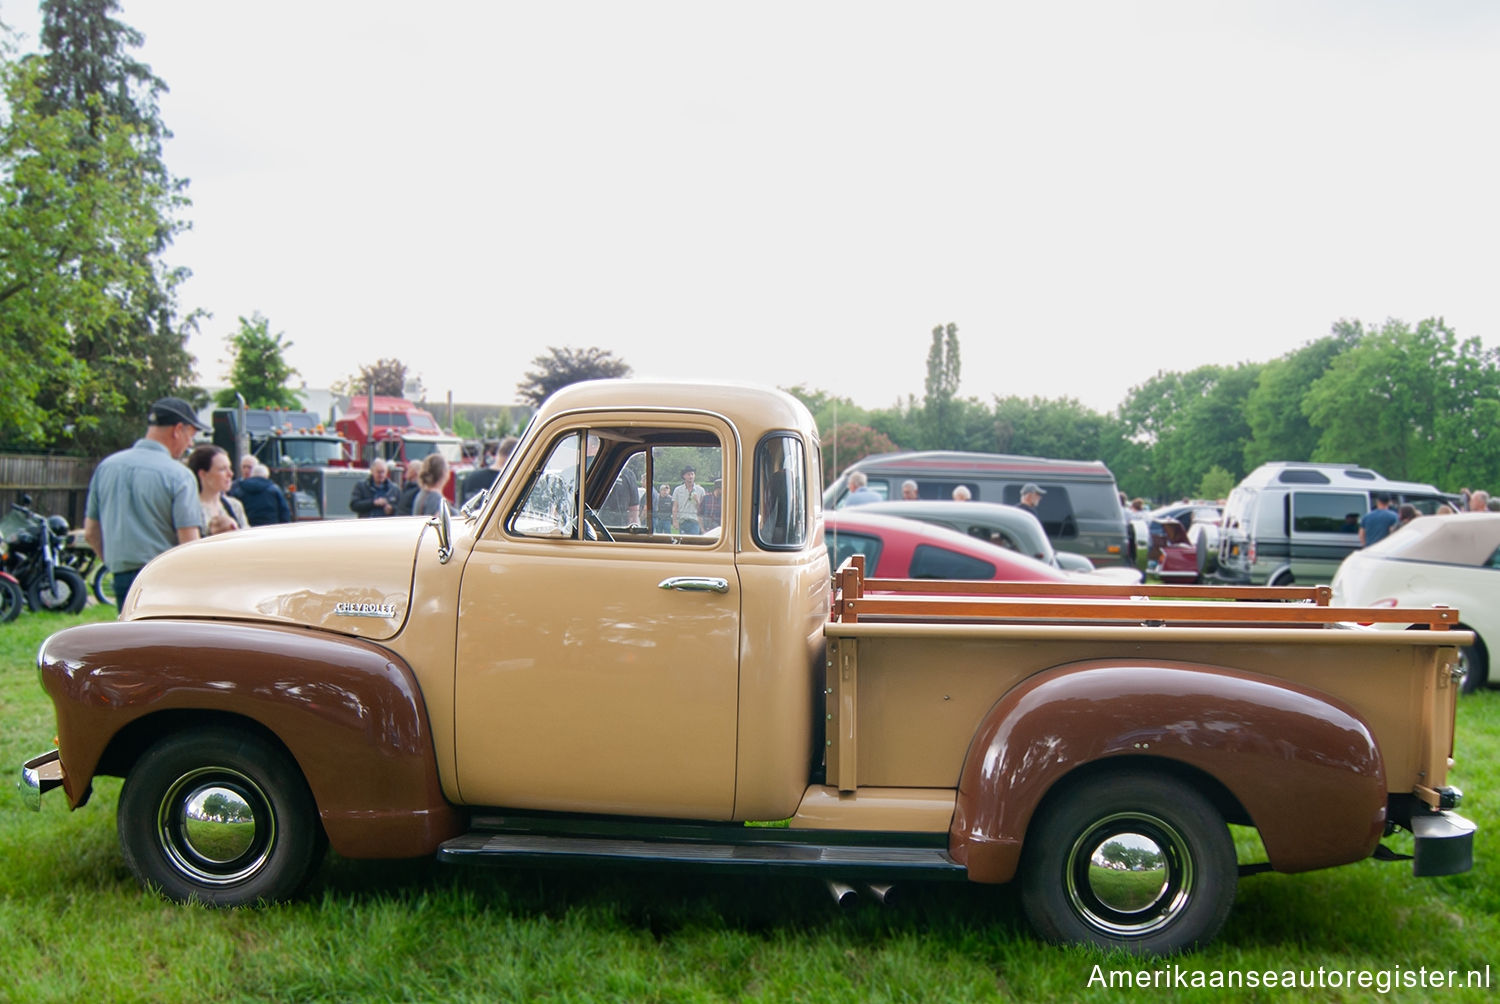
(39, 775)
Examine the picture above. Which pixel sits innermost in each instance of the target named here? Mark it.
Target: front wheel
(220, 816)
(66, 594)
(1133, 861)
(11, 600)
(99, 585)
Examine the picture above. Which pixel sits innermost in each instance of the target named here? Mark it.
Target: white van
(1292, 522)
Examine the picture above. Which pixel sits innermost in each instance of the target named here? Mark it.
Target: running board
(857, 861)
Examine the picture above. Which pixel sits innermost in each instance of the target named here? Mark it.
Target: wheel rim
(1130, 874)
(216, 826)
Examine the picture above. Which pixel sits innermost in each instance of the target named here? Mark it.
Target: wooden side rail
(916, 599)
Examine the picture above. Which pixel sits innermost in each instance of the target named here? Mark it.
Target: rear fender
(349, 711)
(1304, 767)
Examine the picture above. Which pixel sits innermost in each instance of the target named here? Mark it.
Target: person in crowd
(860, 491)
(408, 480)
(661, 517)
(377, 494)
(909, 491)
(247, 467)
(1031, 498)
(264, 501)
(1479, 501)
(1406, 514)
(1463, 499)
(711, 508)
(1445, 510)
(685, 500)
(142, 501)
(222, 512)
(961, 493)
(1378, 522)
(432, 476)
(484, 477)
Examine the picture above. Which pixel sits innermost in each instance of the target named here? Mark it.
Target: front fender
(1303, 766)
(349, 711)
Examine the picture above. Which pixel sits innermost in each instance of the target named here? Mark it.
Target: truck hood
(353, 577)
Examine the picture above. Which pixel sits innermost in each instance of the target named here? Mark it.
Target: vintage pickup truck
(593, 663)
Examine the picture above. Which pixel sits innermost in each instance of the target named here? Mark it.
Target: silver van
(1292, 522)
(1080, 511)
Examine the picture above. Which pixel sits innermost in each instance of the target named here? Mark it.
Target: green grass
(74, 925)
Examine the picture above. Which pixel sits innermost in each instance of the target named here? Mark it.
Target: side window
(1328, 512)
(638, 486)
(780, 516)
(1494, 561)
(842, 545)
(1055, 510)
(547, 510)
(929, 562)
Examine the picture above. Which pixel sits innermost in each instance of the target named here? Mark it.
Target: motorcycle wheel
(11, 600)
(68, 594)
(100, 583)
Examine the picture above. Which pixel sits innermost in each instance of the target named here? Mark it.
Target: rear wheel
(66, 594)
(1283, 578)
(1132, 861)
(220, 816)
(99, 585)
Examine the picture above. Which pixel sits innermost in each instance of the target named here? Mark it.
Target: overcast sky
(796, 193)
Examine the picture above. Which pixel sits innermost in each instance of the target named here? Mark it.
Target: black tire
(67, 594)
(1208, 558)
(1282, 579)
(173, 845)
(99, 584)
(1173, 900)
(11, 601)
(1476, 665)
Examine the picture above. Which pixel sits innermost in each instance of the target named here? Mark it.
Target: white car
(1449, 560)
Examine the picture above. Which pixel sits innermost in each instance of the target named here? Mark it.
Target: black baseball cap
(174, 411)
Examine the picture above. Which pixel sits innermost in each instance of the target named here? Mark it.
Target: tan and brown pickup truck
(633, 644)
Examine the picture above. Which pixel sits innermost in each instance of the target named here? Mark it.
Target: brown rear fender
(349, 711)
(1303, 767)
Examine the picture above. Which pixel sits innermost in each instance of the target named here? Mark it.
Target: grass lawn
(75, 926)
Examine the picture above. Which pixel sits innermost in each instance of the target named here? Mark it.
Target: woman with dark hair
(210, 466)
(1406, 514)
(432, 477)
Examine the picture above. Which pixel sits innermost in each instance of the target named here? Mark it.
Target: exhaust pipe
(844, 895)
(884, 894)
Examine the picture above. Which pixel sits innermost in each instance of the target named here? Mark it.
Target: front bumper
(1444, 844)
(40, 775)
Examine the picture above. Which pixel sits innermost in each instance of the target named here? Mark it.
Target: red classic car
(896, 548)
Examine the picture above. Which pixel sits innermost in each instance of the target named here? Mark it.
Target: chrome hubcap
(1129, 874)
(216, 826)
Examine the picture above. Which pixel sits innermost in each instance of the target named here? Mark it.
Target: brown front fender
(1303, 766)
(349, 712)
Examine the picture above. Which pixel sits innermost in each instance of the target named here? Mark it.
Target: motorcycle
(34, 544)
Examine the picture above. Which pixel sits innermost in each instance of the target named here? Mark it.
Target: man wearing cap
(1031, 497)
(143, 501)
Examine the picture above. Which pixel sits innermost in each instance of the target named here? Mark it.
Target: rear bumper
(1444, 844)
(39, 775)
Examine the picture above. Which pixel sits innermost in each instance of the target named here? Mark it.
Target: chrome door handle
(694, 584)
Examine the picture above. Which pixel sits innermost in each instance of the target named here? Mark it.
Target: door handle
(694, 584)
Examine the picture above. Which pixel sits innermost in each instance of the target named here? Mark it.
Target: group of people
(143, 500)
(421, 495)
(860, 493)
(1381, 521)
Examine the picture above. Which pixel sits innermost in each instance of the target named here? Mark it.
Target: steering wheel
(594, 528)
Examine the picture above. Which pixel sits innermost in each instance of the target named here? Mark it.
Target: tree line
(1412, 402)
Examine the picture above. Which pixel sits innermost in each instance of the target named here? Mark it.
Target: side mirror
(444, 532)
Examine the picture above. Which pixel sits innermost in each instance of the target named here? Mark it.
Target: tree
(387, 377)
(1217, 483)
(561, 367)
(1279, 429)
(130, 345)
(1417, 404)
(941, 387)
(258, 370)
(850, 442)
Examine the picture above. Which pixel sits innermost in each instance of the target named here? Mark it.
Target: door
(598, 658)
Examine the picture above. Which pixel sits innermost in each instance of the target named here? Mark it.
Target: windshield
(302, 452)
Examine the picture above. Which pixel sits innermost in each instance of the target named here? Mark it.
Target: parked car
(1292, 523)
(1179, 534)
(1452, 560)
(1080, 507)
(1009, 526)
(897, 548)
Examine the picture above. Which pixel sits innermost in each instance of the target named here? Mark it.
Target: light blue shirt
(141, 497)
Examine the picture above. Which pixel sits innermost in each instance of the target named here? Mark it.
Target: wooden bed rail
(855, 597)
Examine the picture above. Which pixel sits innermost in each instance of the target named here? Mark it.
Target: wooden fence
(57, 485)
